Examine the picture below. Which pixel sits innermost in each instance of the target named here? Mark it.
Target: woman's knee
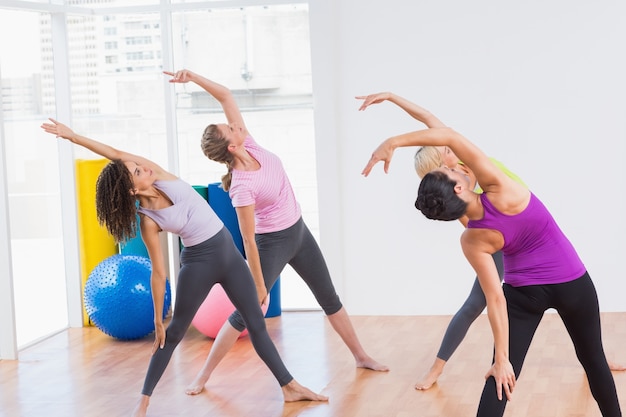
(175, 333)
(237, 321)
(472, 308)
(333, 307)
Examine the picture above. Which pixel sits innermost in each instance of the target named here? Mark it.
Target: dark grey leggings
(203, 265)
(297, 247)
(577, 304)
(467, 314)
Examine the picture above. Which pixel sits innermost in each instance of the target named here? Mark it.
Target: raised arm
(62, 131)
(487, 173)
(469, 153)
(218, 91)
(415, 111)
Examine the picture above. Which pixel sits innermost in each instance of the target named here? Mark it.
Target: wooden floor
(82, 372)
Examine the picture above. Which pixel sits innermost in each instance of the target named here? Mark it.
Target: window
(117, 95)
(266, 63)
(33, 179)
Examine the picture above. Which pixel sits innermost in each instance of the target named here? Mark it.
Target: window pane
(195, 1)
(38, 1)
(117, 97)
(116, 83)
(33, 179)
(93, 4)
(263, 55)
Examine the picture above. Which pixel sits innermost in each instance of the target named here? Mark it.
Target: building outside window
(118, 96)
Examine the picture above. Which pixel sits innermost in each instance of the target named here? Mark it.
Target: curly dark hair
(436, 198)
(115, 205)
(215, 147)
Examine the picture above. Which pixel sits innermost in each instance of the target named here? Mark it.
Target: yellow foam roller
(95, 242)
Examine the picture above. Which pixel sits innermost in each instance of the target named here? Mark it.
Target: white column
(69, 212)
(171, 131)
(8, 336)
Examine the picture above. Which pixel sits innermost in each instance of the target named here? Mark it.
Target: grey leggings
(203, 265)
(297, 247)
(469, 311)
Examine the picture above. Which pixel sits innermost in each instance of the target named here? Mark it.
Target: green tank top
(504, 169)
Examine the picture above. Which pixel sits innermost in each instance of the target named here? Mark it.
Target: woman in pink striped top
(274, 233)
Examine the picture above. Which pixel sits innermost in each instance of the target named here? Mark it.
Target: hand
(181, 76)
(372, 99)
(159, 337)
(262, 293)
(384, 152)
(58, 129)
(505, 378)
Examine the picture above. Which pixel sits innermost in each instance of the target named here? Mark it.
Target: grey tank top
(190, 215)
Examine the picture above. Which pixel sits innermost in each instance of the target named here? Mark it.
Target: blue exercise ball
(118, 297)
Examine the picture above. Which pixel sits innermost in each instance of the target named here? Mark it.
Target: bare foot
(431, 377)
(142, 407)
(197, 386)
(293, 391)
(369, 363)
(615, 367)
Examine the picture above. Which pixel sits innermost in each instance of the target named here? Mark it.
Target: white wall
(538, 85)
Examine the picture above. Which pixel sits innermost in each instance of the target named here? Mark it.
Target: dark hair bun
(436, 198)
(432, 206)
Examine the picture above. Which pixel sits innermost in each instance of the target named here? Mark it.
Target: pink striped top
(268, 189)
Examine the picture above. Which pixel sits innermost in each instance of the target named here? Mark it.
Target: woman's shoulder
(507, 171)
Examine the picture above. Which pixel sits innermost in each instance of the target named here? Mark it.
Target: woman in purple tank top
(210, 255)
(507, 217)
(428, 158)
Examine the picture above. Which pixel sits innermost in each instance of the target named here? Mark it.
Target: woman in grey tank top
(129, 178)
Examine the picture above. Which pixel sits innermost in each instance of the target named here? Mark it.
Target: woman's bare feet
(431, 377)
(142, 407)
(340, 321)
(225, 340)
(369, 363)
(293, 391)
(197, 385)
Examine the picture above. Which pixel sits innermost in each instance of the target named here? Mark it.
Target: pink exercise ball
(214, 312)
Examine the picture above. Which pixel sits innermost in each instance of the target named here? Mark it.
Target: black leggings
(577, 304)
(203, 265)
(297, 247)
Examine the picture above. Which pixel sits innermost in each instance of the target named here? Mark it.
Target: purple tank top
(535, 252)
(190, 215)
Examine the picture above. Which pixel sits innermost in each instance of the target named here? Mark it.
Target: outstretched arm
(62, 131)
(218, 91)
(415, 111)
(463, 148)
